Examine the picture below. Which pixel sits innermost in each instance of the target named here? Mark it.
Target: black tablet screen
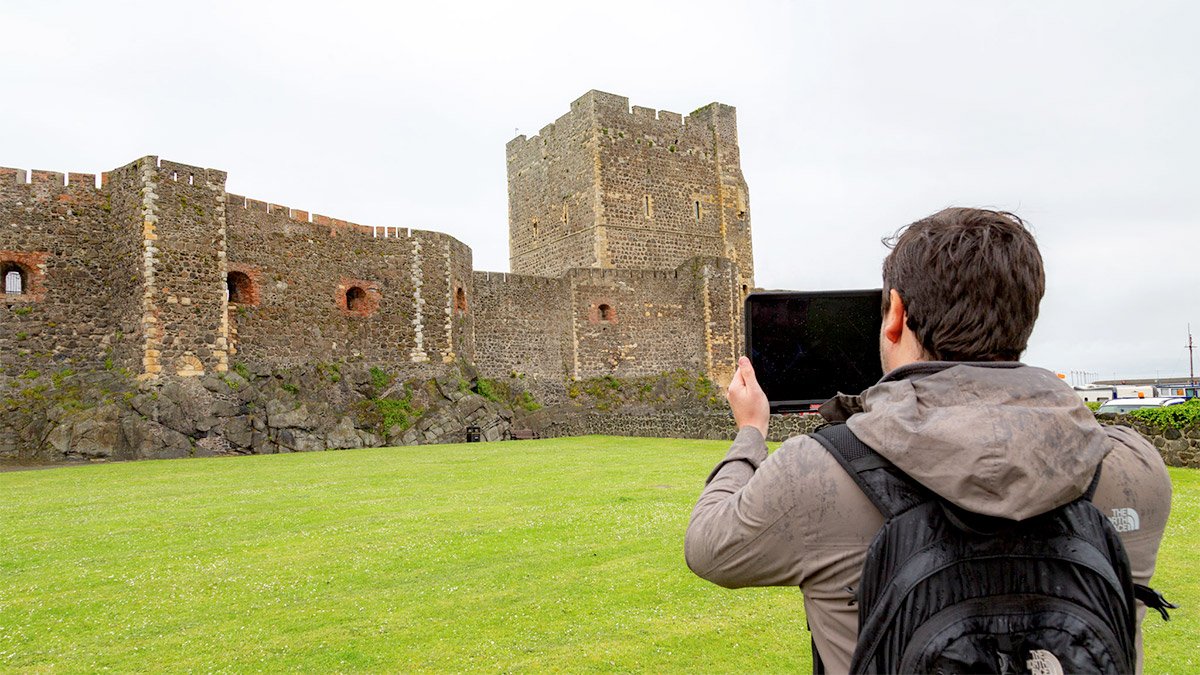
(807, 347)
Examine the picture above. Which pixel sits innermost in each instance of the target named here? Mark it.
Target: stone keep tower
(606, 187)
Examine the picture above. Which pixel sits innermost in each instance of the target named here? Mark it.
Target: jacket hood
(1000, 439)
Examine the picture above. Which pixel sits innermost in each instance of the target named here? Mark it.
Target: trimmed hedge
(1171, 417)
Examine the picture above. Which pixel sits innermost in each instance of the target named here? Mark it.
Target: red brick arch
(357, 297)
(31, 265)
(602, 311)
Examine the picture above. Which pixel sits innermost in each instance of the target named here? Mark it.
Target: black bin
(472, 434)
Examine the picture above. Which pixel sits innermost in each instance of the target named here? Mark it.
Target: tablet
(806, 347)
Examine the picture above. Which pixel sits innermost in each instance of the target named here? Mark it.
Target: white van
(1123, 405)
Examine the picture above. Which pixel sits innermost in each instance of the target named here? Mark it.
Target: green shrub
(396, 411)
(242, 371)
(487, 389)
(335, 373)
(526, 401)
(1171, 417)
(380, 378)
(1093, 405)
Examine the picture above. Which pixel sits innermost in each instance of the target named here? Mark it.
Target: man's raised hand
(747, 400)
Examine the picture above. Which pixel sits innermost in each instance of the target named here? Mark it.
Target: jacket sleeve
(740, 533)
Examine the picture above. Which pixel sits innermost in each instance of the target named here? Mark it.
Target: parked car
(1123, 405)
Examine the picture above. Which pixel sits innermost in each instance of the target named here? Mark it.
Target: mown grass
(533, 556)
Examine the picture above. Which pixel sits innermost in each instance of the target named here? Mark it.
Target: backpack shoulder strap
(888, 488)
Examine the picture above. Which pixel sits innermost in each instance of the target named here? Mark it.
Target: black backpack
(948, 591)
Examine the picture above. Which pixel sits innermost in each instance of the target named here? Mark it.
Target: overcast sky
(854, 119)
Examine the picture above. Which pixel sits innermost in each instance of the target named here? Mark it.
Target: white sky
(854, 119)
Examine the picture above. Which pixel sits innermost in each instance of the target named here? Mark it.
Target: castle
(630, 251)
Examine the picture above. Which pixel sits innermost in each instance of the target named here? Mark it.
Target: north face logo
(1042, 662)
(1125, 520)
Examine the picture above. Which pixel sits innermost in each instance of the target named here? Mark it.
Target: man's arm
(739, 534)
(733, 538)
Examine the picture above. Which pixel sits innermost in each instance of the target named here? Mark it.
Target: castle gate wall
(597, 322)
(79, 250)
(651, 324)
(630, 323)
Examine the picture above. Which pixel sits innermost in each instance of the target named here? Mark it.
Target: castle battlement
(330, 225)
(52, 179)
(516, 279)
(192, 175)
(612, 115)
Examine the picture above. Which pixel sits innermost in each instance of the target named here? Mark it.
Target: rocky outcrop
(115, 418)
(107, 416)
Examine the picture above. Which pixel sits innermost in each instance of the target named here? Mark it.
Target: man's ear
(895, 319)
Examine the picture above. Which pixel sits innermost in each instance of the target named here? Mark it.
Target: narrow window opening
(697, 211)
(744, 289)
(238, 288)
(564, 213)
(175, 175)
(647, 206)
(606, 313)
(191, 179)
(356, 299)
(460, 301)
(14, 281)
(535, 227)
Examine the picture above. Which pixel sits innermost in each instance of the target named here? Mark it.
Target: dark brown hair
(971, 281)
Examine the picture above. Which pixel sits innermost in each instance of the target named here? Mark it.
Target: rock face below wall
(62, 416)
(231, 414)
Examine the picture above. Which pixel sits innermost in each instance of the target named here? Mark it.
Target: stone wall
(1178, 447)
(628, 323)
(713, 426)
(552, 196)
(184, 311)
(324, 290)
(522, 327)
(598, 322)
(78, 249)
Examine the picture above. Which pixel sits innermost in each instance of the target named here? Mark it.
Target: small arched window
(356, 299)
(606, 313)
(14, 281)
(239, 288)
(460, 301)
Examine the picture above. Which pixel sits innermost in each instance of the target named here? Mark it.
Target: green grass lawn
(541, 555)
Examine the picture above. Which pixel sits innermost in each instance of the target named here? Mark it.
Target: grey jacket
(999, 439)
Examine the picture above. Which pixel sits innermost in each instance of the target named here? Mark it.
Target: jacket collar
(841, 407)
